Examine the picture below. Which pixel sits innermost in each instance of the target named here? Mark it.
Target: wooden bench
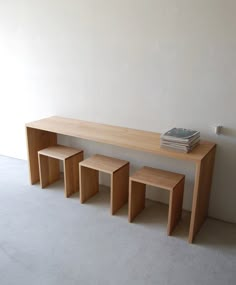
(49, 167)
(167, 180)
(89, 179)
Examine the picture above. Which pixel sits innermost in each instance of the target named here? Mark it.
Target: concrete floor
(47, 239)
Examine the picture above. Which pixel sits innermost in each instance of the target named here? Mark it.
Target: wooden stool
(170, 181)
(89, 179)
(49, 168)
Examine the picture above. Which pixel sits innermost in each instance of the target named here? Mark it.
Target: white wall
(146, 64)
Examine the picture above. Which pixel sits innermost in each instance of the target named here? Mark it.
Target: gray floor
(47, 239)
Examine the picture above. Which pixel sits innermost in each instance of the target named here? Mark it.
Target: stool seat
(173, 182)
(89, 179)
(49, 167)
(60, 152)
(104, 163)
(157, 177)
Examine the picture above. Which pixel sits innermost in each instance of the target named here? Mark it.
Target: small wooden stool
(89, 179)
(170, 181)
(49, 168)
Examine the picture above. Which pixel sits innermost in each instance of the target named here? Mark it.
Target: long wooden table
(43, 133)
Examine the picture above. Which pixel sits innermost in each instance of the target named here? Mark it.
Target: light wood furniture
(173, 182)
(49, 168)
(43, 133)
(89, 179)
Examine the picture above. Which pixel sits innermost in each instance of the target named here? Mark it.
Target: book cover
(180, 134)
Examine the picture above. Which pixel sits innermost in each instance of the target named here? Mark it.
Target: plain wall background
(145, 64)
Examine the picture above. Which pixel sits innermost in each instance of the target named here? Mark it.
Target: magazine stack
(180, 139)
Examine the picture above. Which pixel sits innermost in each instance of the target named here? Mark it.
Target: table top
(119, 136)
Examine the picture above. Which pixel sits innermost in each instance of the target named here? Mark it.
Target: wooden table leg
(119, 188)
(201, 194)
(37, 140)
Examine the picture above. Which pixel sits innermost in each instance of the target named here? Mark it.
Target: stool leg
(89, 180)
(71, 174)
(49, 170)
(175, 206)
(119, 188)
(136, 198)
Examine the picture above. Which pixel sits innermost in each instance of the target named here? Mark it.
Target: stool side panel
(175, 206)
(71, 174)
(49, 170)
(119, 188)
(137, 193)
(88, 183)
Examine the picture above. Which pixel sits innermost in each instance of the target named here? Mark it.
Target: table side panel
(37, 140)
(201, 195)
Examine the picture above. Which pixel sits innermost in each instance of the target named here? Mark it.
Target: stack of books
(179, 139)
